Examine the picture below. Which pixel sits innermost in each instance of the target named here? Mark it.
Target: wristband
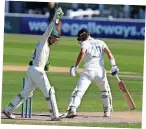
(112, 61)
(57, 21)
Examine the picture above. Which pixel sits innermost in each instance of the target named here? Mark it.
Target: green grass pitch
(129, 55)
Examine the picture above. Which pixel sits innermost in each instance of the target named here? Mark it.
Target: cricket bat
(127, 95)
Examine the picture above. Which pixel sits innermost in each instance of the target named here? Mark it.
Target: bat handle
(117, 77)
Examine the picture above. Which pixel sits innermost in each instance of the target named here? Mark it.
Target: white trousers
(36, 78)
(93, 75)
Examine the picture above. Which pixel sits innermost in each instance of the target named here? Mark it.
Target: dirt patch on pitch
(24, 68)
(54, 69)
(83, 117)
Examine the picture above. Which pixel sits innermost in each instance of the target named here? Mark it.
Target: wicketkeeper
(93, 51)
(36, 74)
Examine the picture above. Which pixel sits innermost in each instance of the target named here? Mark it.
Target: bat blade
(129, 100)
(127, 96)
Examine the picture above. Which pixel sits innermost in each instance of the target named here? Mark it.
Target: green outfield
(129, 55)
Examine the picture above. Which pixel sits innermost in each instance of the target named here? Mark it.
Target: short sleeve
(103, 45)
(84, 45)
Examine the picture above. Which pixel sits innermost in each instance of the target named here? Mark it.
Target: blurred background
(78, 10)
(103, 20)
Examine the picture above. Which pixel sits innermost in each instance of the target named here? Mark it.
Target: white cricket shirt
(94, 56)
(41, 53)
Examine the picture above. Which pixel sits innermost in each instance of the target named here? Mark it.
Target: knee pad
(104, 94)
(15, 103)
(52, 102)
(75, 99)
(20, 96)
(106, 100)
(77, 93)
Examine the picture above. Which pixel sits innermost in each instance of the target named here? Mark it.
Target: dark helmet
(54, 37)
(83, 34)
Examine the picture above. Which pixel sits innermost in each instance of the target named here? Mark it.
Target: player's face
(82, 38)
(79, 42)
(53, 40)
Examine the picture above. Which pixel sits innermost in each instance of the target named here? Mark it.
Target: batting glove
(73, 71)
(114, 70)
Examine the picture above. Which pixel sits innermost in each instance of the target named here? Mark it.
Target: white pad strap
(15, 103)
(75, 99)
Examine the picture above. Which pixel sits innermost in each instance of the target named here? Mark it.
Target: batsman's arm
(80, 56)
(114, 69)
(110, 56)
(73, 69)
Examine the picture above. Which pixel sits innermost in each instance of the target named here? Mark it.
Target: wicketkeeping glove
(58, 14)
(114, 70)
(47, 66)
(73, 71)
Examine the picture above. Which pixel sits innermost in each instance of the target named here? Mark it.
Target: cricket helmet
(83, 34)
(54, 37)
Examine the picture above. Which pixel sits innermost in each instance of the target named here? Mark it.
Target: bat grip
(117, 77)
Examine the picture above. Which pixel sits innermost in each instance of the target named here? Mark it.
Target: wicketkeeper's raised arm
(47, 33)
(56, 18)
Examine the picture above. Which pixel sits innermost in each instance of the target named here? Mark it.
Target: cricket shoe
(71, 115)
(9, 115)
(71, 112)
(107, 114)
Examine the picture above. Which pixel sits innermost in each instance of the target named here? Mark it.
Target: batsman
(36, 74)
(92, 50)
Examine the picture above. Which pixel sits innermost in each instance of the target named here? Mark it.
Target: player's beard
(50, 42)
